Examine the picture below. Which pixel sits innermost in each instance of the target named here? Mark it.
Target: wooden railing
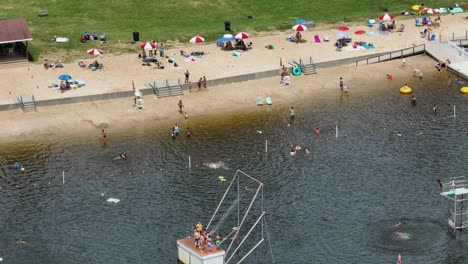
(417, 49)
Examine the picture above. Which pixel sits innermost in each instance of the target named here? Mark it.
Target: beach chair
(286, 80)
(317, 39)
(417, 22)
(433, 37)
(424, 20)
(259, 101)
(326, 38)
(370, 22)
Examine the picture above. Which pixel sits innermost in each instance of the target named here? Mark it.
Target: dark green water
(335, 205)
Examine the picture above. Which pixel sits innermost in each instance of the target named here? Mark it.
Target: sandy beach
(119, 72)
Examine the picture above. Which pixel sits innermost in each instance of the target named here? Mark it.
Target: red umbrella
(95, 52)
(241, 35)
(430, 11)
(197, 39)
(386, 16)
(343, 28)
(299, 27)
(360, 32)
(148, 46)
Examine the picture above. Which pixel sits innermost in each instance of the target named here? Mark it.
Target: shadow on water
(334, 205)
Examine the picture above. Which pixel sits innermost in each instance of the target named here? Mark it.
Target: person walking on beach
(180, 106)
(413, 100)
(291, 112)
(187, 76)
(103, 135)
(204, 82)
(200, 83)
(341, 84)
(449, 81)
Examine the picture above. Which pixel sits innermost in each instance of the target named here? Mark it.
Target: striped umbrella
(430, 11)
(197, 39)
(386, 17)
(148, 46)
(95, 52)
(299, 27)
(241, 35)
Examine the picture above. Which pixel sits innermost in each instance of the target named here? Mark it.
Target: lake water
(335, 205)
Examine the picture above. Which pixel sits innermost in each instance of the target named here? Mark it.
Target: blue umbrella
(226, 38)
(341, 34)
(65, 77)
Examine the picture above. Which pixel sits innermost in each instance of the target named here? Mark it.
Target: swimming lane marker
(63, 177)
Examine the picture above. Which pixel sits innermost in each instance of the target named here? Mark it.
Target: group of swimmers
(176, 131)
(203, 237)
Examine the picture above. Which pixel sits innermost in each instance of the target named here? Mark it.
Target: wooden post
(26, 55)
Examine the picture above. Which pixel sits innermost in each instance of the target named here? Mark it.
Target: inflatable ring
(406, 90)
(218, 243)
(464, 90)
(296, 71)
(415, 8)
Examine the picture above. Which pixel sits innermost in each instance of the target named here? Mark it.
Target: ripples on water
(335, 205)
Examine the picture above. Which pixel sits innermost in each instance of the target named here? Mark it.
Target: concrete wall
(210, 83)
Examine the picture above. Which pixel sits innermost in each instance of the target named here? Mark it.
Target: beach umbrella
(343, 28)
(341, 34)
(360, 32)
(64, 77)
(241, 35)
(226, 38)
(386, 17)
(299, 27)
(148, 46)
(95, 52)
(399, 259)
(197, 39)
(430, 11)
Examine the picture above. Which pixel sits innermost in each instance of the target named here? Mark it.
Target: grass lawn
(178, 20)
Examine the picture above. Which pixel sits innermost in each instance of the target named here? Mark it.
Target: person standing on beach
(291, 112)
(204, 82)
(180, 106)
(103, 135)
(403, 61)
(187, 76)
(200, 83)
(341, 84)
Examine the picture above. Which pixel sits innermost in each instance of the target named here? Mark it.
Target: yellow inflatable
(415, 8)
(405, 90)
(464, 90)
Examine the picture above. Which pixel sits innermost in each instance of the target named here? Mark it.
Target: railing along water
(417, 49)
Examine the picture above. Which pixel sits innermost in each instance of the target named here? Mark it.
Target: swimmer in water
(441, 185)
(413, 100)
(307, 151)
(293, 152)
(398, 134)
(298, 147)
(317, 131)
(21, 242)
(435, 109)
(123, 156)
(289, 124)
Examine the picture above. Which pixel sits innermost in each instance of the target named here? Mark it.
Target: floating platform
(189, 254)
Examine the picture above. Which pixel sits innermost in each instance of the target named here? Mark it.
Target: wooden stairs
(307, 68)
(28, 103)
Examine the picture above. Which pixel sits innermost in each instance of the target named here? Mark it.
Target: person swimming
(298, 147)
(398, 134)
(293, 152)
(413, 100)
(123, 156)
(307, 151)
(317, 131)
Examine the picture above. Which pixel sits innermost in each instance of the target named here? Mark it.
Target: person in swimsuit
(441, 185)
(341, 84)
(181, 105)
(435, 109)
(413, 100)
(188, 133)
(291, 112)
(103, 135)
(123, 156)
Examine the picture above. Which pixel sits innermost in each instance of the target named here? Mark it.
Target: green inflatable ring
(296, 71)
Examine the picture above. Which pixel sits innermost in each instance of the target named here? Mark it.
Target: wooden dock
(451, 50)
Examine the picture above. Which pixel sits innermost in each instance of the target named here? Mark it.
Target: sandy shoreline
(119, 115)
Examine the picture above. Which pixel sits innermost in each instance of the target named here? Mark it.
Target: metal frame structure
(235, 187)
(457, 192)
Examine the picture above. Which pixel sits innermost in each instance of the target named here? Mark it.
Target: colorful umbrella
(64, 77)
(386, 17)
(95, 52)
(343, 28)
(148, 46)
(299, 27)
(360, 32)
(197, 39)
(399, 259)
(430, 11)
(227, 37)
(241, 35)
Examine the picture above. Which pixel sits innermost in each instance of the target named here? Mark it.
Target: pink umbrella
(197, 39)
(343, 28)
(386, 16)
(241, 35)
(148, 46)
(399, 259)
(95, 52)
(299, 27)
(430, 11)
